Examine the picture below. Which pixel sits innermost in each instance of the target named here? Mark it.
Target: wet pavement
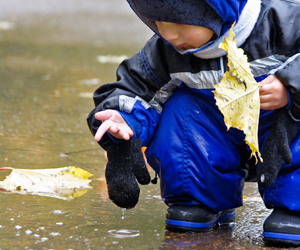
(53, 55)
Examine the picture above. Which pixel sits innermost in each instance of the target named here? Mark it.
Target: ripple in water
(124, 233)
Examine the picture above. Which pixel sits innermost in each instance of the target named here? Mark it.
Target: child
(163, 100)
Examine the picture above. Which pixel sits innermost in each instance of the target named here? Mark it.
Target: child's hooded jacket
(267, 31)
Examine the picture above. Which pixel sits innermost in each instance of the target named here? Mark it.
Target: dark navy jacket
(267, 31)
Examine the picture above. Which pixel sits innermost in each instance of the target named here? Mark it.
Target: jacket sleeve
(283, 16)
(289, 74)
(133, 94)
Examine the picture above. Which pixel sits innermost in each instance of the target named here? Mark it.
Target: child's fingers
(266, 89)
(102, 130)
(106, 126)
(126, 136)
(104, 115)
(113, 123)
(120, 131)
(267, 80)
(266, 106)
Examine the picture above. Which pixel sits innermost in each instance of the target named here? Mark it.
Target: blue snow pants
(198, 160)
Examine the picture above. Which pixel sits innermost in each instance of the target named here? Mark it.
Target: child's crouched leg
(282, 227)
(197, 161)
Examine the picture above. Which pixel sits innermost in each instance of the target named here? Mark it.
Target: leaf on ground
(237, 95)
(63, 183)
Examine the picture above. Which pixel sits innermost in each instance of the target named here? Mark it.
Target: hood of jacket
(217, 15)
(212, 14)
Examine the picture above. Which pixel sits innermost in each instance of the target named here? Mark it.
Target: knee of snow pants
(195, 156)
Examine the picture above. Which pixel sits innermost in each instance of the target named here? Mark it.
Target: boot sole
(224, 218)
(272, 238)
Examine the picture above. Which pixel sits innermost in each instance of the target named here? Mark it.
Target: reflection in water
(221, 238)
(123, 214)
(64, 183)
(102, 188)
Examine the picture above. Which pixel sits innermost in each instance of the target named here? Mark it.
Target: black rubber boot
(282, 228)
(197, 218)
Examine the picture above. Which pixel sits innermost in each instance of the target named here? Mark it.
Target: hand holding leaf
(237, 95)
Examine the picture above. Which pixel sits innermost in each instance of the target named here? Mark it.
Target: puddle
(50, 67)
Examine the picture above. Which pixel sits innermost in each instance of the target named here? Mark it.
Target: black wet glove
(126, 166)
(276, 148)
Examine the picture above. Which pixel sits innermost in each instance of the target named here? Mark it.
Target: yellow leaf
(237, 95)
(80, 173)
(63, 183)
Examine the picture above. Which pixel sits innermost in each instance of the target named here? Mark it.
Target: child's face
(184, 36)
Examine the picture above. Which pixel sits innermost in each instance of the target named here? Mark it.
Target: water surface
(49, 67)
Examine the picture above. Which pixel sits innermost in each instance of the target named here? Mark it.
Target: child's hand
(113, 123)
(273, 93)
